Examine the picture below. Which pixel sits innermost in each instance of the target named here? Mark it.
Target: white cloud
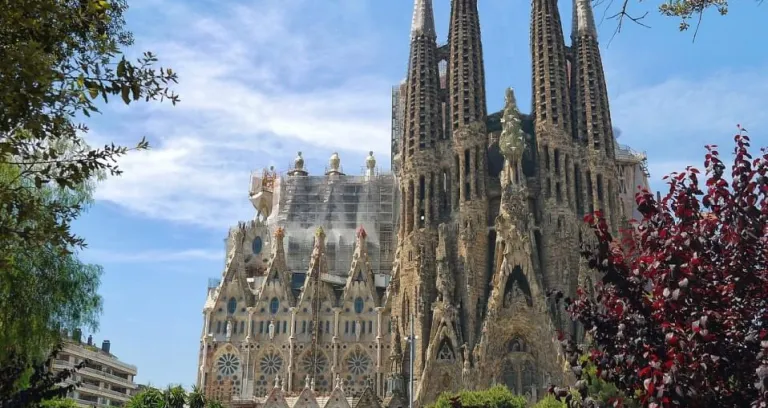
(256, 85)
(674, 119)
(157, 256)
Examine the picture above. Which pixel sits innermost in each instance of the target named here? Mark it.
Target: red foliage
(681, 315)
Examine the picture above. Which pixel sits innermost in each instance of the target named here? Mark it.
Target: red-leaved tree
(680, 318)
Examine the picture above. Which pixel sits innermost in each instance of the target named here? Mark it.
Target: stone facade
(478, 221)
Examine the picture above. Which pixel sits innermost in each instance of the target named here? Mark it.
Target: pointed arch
(445, 351)
(517, 280)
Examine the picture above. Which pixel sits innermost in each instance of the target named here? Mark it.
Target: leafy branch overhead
(61, 60)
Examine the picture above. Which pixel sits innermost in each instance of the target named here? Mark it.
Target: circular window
(358, 362)
(228, 364)
(257, 245)
(271, 363)
(359, 305)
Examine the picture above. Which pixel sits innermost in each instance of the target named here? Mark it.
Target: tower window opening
(557, 161)
(477, 172)
(600, 187)
(466, 161)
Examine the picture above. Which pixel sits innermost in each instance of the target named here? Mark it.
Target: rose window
(271, 363)
(309, 362)
(228, 364)
(358, 362)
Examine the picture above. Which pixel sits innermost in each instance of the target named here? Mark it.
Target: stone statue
(307, 381)
(337, 381)
(512, 140)
(359, 330)
(277, 381)
(271, 329)
(445, 283)
(229, 329)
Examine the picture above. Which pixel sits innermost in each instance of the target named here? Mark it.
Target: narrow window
(218, 327)
(232, 306)
(346, 327)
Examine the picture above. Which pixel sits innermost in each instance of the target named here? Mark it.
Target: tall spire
(583, 19)
(423, 19)
(591, 110)
(551, 102)
(422, 107)
(466, 71)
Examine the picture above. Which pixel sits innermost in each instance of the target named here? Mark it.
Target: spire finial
(298, 162)
(583, 19)
(423, 19)
(361, 234)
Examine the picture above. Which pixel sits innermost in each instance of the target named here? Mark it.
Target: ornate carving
(512, 140)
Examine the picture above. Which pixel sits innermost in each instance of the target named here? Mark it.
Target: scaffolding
(626, 154)
(340, 204)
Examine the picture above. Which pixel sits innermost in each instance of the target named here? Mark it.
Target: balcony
(98, 356)
(95, 389)
(110, 378)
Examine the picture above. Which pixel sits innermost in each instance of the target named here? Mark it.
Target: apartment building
(105, 381)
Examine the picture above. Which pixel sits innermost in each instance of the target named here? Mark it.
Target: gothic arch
(445, 351)
(517, 280)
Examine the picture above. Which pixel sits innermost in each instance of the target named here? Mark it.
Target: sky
(260, 80)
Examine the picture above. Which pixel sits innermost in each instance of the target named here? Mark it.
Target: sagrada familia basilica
(378, 288)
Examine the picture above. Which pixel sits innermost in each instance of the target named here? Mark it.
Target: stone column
(289, 372)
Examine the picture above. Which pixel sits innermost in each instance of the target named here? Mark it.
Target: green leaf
(126, 94)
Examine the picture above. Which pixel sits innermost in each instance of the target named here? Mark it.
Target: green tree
(59, 403)
(172, 397)
(495, 397)
(24, 385)
(550, 402)
(59, 60)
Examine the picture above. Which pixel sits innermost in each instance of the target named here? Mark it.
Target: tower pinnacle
(423, 19)
(465, 65)
(583, 19)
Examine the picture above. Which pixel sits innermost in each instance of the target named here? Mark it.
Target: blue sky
(262, 79)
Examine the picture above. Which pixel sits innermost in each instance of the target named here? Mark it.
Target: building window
(346, 327)
(359, 305)
(274, 305)
(261, 327)
(242, 326)
(328, 327)
(304, 326)
(370, 326)
(285, 326)
(257, 245)
(218, 327)
(232, 305)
